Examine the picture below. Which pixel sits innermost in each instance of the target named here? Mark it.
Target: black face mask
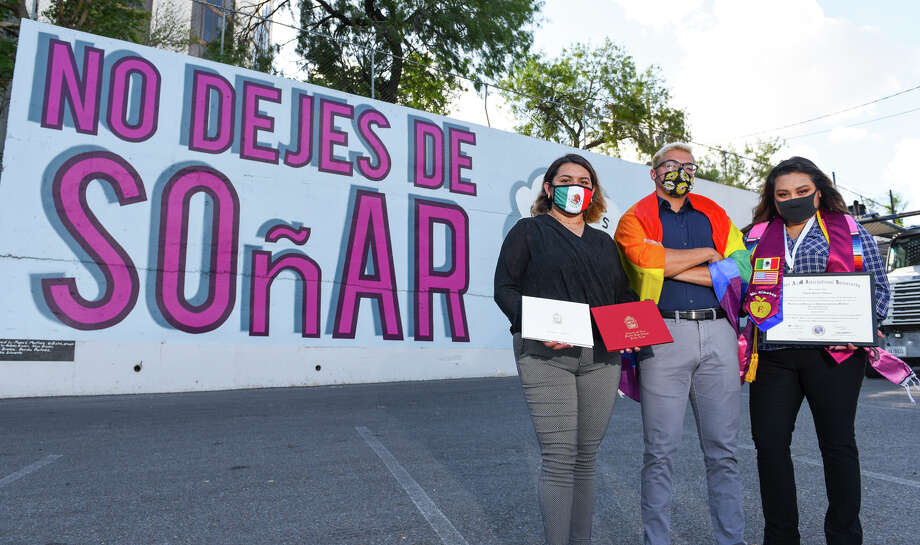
(797, 210)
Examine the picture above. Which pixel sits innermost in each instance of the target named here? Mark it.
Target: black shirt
(540, 257)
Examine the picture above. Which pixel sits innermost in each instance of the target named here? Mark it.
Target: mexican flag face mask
(572, 199)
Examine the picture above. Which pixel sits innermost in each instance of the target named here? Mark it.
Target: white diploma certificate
(826, 309)
(553, 320)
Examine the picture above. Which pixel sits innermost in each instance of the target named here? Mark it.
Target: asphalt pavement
(441, 462)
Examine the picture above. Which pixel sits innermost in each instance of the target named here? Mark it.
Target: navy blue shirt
(684, 230)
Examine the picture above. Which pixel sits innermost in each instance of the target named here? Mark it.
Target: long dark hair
(830, 200)
(598, 205)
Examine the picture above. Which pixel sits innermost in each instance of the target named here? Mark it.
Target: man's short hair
(683, 146)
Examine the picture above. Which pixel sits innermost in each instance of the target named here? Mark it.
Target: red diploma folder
(628, 325)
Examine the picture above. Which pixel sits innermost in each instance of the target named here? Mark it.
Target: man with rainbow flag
(682, 251)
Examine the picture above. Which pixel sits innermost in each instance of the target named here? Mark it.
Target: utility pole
(373, 69)
(485, 103)
(894, 212)
(223, 26)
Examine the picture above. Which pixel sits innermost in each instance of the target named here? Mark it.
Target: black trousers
(784, 378)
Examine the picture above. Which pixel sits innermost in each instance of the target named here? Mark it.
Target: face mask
(572, 199)
(677, 182)
(797, 210)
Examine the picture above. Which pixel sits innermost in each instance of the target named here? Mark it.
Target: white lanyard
(790, 257)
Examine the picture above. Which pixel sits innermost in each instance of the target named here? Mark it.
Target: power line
(479, 82)
(862, 197)
(889, 116)
(825, 116)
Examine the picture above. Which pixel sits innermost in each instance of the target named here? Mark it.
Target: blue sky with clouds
(740, 66)
(744, 66)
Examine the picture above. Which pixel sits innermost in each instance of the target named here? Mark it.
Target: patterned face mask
(572, 199)
(677, 182)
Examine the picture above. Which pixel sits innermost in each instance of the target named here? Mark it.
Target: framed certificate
(827, 309)
(554, 320)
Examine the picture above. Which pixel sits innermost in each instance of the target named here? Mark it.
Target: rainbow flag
(638, 238)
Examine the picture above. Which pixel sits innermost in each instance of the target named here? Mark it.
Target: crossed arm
(689, 265)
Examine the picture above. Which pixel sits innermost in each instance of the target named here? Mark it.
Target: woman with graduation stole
(802, 227)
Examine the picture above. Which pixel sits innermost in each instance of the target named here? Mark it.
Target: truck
(901, 328)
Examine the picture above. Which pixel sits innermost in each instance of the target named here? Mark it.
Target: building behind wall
(204, 19)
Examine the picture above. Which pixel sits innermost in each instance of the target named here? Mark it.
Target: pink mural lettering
(459, 160)
(366, 121)
(63, 83)
(172, 258)
(204, 84)
(369, 235)
(454, 282)
(303, 154)
(253, 122)
(119, 99)
(121, 281)
(329, 136)
(264, 272)
(298, 236)
(424, 133)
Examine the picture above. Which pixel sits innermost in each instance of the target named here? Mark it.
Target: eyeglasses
(671, 165)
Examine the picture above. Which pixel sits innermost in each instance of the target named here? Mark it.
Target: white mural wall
(171, 224)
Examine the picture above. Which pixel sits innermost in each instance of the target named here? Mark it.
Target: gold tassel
(752, 366)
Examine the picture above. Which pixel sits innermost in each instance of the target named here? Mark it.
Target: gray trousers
(570, 400)
(702, 365)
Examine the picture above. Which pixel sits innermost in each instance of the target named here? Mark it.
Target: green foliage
(7, 60)
(238, 49)
(578, 98)
(394, 41)
(10, 12)
(241, 45)
(730, 169)
(168, 28)
(896, 204)
(120, 19)
(425, 89)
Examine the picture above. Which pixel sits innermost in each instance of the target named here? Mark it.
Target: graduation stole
(764, 300)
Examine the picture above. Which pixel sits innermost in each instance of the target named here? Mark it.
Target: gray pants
(570, 400)
(702, 365)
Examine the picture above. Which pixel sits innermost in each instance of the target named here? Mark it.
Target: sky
(739, 67)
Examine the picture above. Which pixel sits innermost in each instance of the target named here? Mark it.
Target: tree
(594, 99)
(120, 19)
(243, 40)
(241, 45)
(167, 29)
(408, 49)
(748, 172)
(10, 13)
(896, 204)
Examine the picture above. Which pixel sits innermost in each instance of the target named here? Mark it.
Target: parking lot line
(439, 523)
(31, 468)
(914, 409)
(873, 474)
